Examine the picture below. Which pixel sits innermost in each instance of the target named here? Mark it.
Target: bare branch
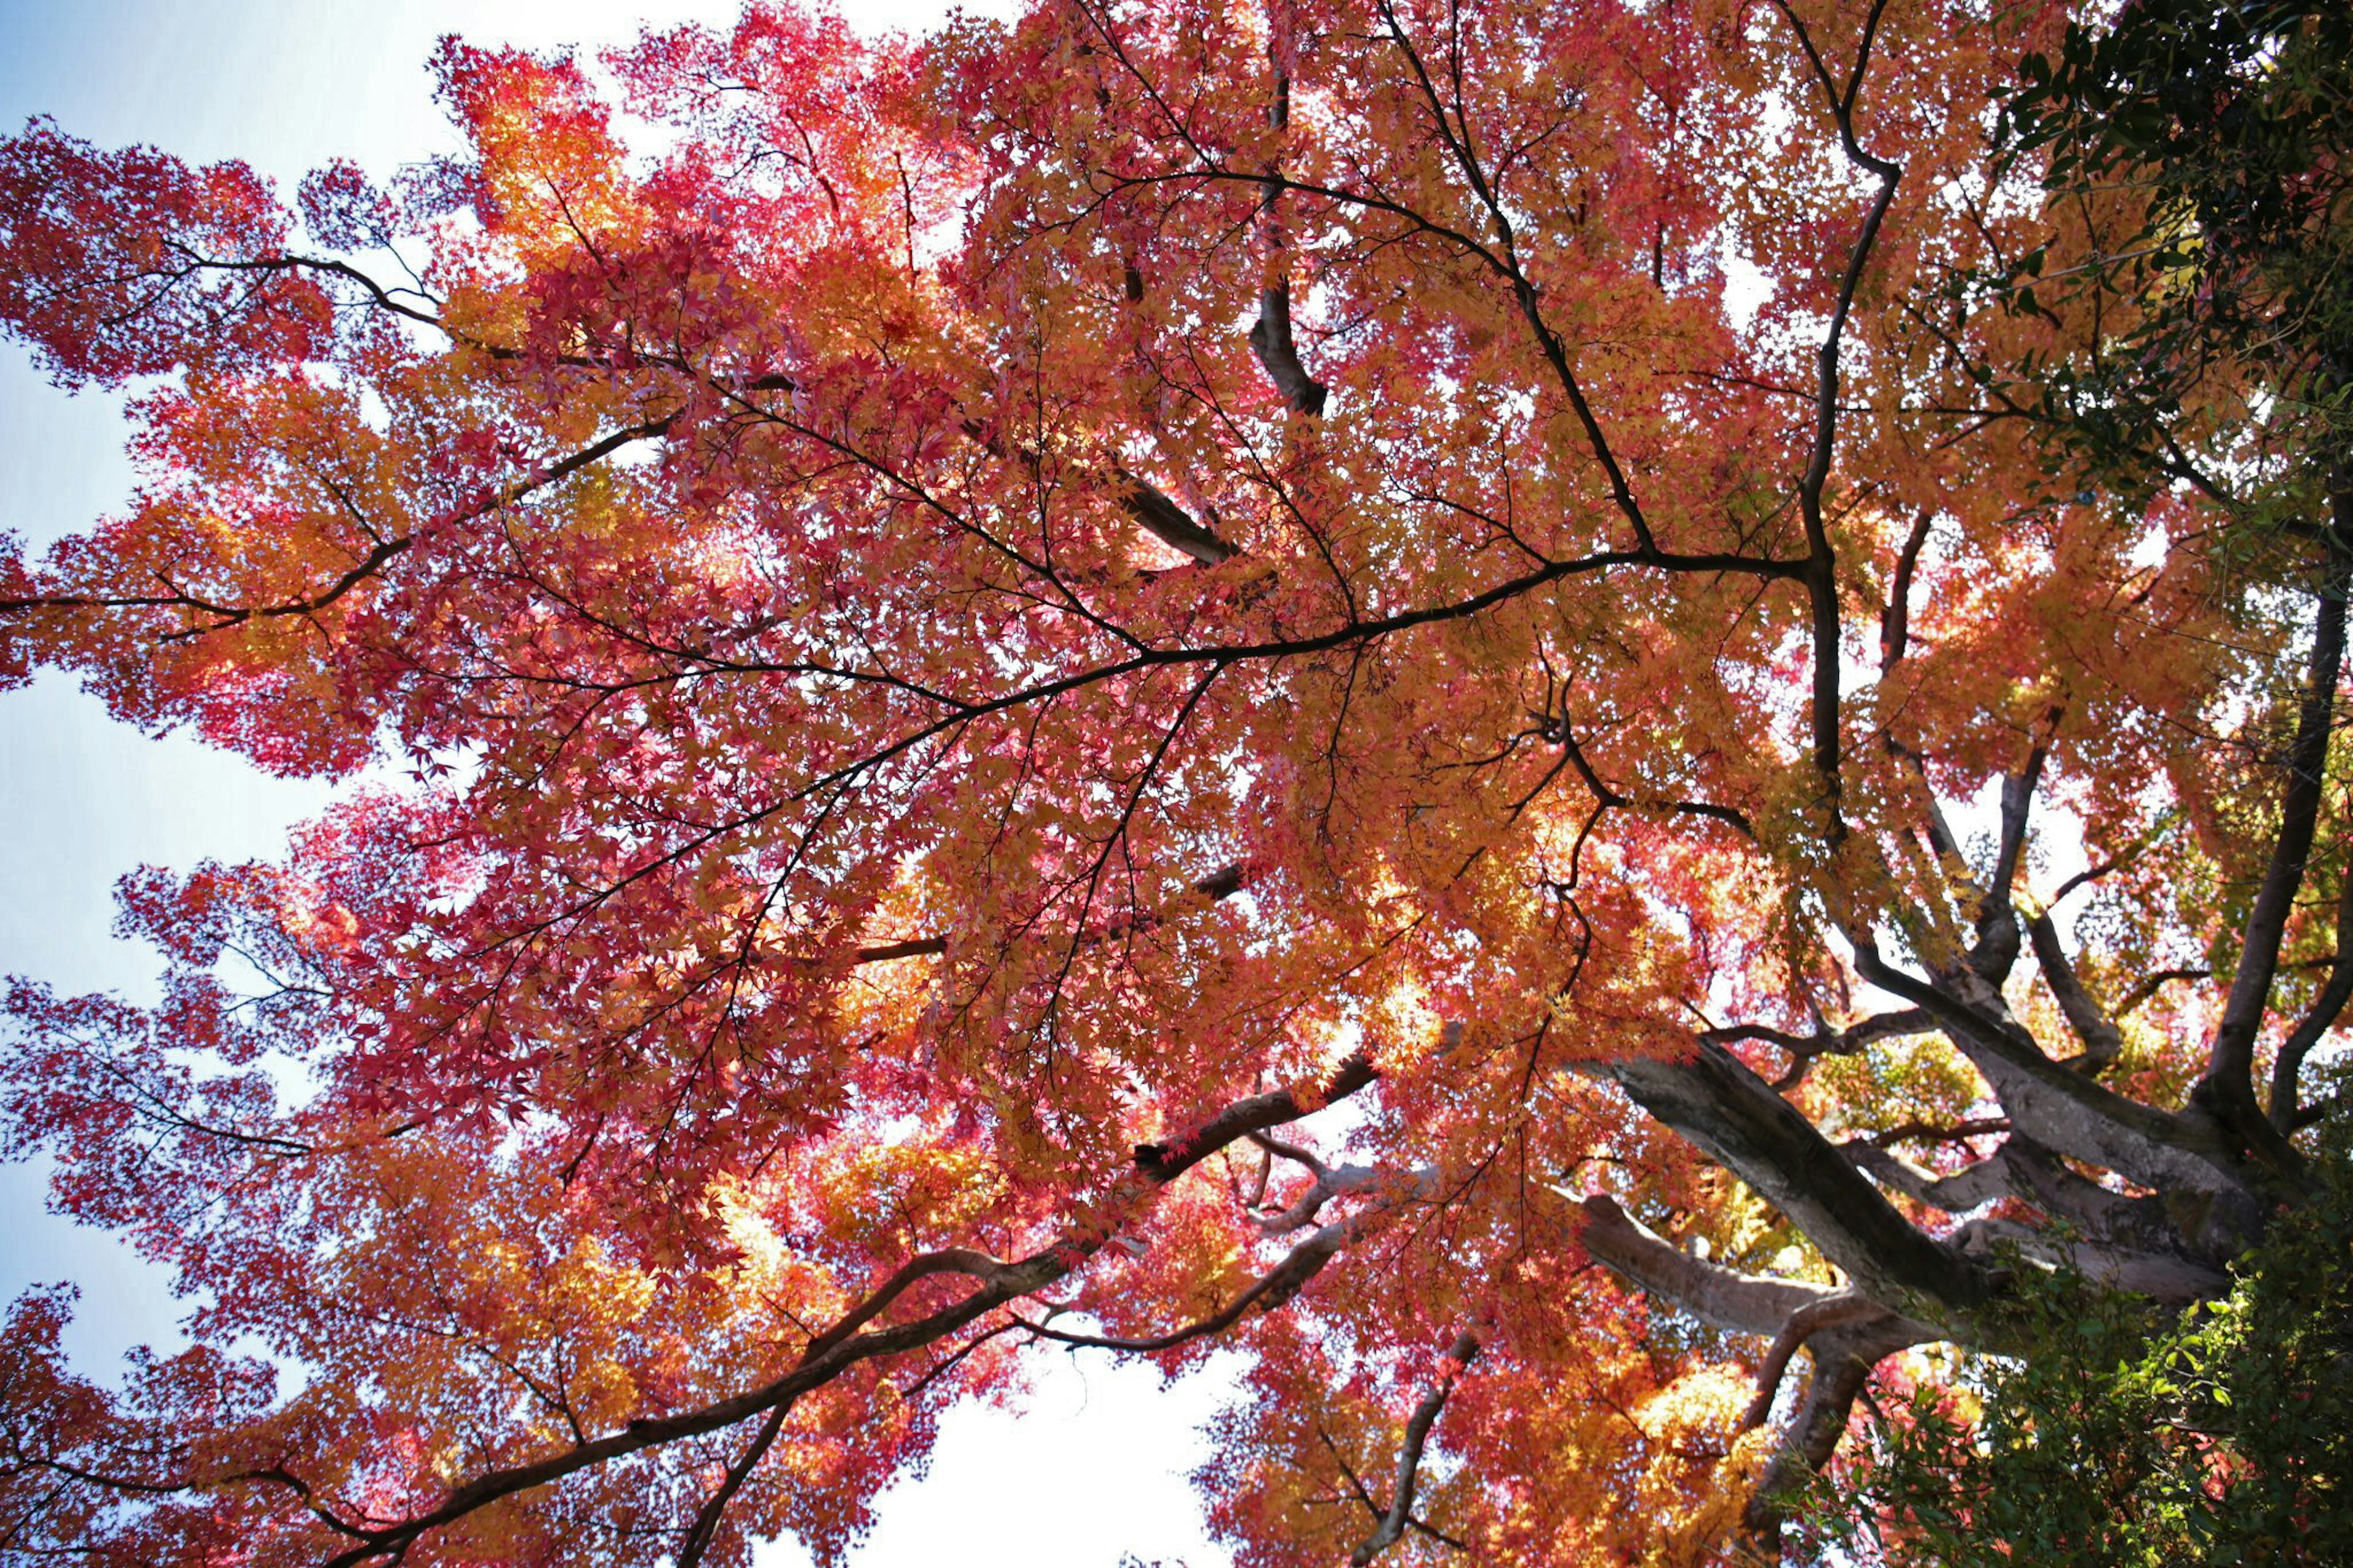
(705, 1527)
(1713, 1101)
(1270, 340)
(1894, 622)
(2287, 1067)
(2227, 1088)
(1843, 1357)
(2102, 1041)
(1829, 1312)
(1745, 1303)
(1821, 566)
(1170, 523)
(1163, 1163)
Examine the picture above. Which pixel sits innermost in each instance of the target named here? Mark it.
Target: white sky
(1094, 1469)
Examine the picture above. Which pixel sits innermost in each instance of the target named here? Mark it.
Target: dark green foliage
(2122, 1439)
(2204, 149)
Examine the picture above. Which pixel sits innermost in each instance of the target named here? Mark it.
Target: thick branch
(1328, 1185)
(1725, 1297)
(2102, 1041)
(2334, 991)
(1171, 524)
(1715, 1101)
(1980, 1182)
(1269, 336)
(2059, 1109)
(1843, 1358)
(1894, 622)
(1270, 340)
(2228, 1086)
(1163, 1163)
(1815, 1317)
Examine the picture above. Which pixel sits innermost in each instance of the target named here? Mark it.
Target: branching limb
(1843, 1357)
(1291, 1151)
(2326, 1007)
(1400, 1515)
(382, 553)
(1328, 1185)
(1170, 523)
(1848, 1332)
(1713, 1101)
(2102, 1041)
(1829, 1312)
(705, 1527)
(1804, 1049)
(2140, 995)
(1726, 1298)
(2227, 1088)
(2061, 1109)
(1821, 573)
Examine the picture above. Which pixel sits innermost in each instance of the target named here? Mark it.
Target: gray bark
(1713, 1101)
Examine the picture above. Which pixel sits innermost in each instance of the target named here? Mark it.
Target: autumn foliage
(1381, 685)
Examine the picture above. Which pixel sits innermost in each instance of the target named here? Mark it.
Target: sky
(1092, 1469)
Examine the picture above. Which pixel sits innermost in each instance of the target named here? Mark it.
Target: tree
(934, 657)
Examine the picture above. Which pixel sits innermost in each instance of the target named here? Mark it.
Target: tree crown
(953, 645)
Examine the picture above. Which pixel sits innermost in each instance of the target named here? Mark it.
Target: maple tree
(1396, 687)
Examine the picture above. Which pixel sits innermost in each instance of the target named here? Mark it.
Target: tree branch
(2059, 1109)
(1393, 1523)
(1170, 523)
(1829, 1312)
(1843, 1357)
(1726, 1298)
(2227, 1088)
(1894, 622)
(848, 1344)
(1713, 1099)
(2102, 1041)
(2287, 1067)
(1821, 573)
